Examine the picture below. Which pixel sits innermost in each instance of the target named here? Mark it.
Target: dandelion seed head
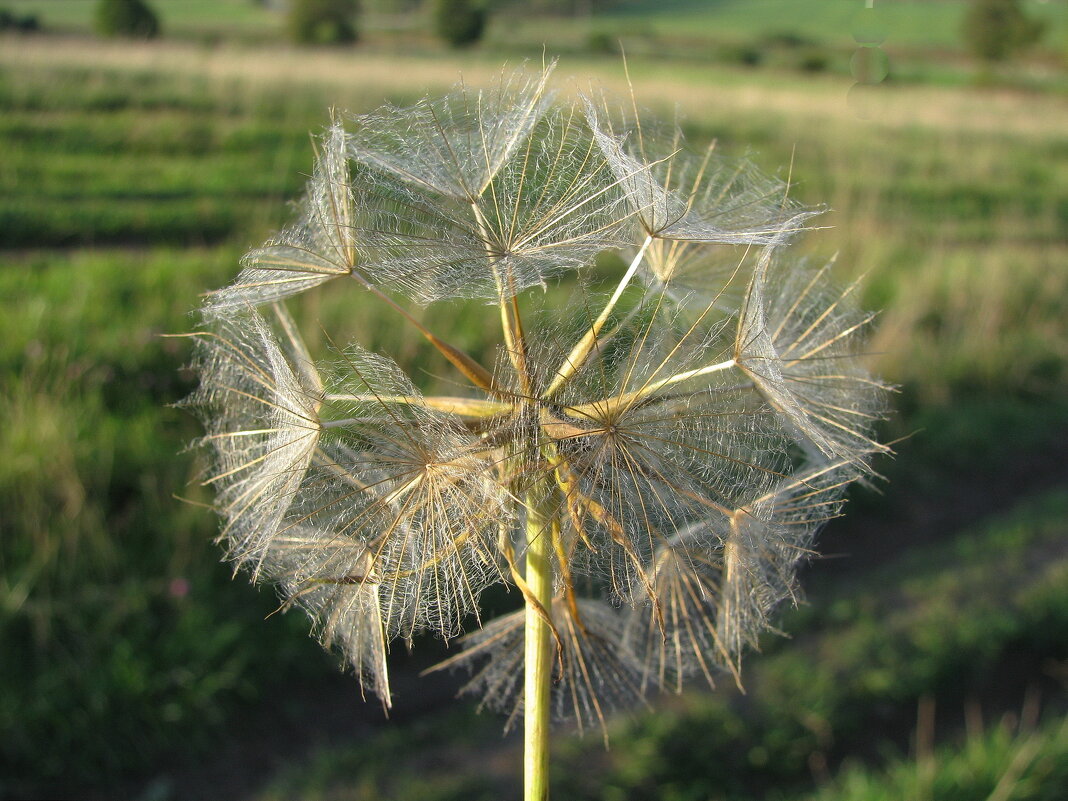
(647, 463)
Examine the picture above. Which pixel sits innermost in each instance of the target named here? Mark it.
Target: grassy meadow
(931, 658)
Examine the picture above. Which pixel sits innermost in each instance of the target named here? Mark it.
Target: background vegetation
(932, 656)
(323, 22)
(458, 22)
(130, 18)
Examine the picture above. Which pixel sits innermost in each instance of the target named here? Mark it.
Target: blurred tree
(459, 22)
(323, 21)
(995, 29)
(392, 6)
(130, 18)
(10, 21)
(574, 8)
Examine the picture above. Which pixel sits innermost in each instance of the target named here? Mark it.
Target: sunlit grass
(1008, 760)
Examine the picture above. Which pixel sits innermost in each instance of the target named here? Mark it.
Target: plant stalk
(582, 348)
(538, 651)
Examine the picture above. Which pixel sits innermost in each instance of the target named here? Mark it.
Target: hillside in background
(922, 37)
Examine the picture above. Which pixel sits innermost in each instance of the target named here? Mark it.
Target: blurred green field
(906, 22)
(182, 17)
(922, 37)
(132, 177)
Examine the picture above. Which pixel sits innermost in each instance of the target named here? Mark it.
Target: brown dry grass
(700, 92)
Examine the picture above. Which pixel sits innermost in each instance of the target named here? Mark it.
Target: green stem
(538, 672)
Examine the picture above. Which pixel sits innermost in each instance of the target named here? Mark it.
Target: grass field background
(910, 23)
(933, 652)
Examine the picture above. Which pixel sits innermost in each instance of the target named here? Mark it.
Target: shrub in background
(746, 55)
(995, 29)
(813, 60)
(130, 18)
(458, 22)
(10, 21)
(602, 42)
(323, 22)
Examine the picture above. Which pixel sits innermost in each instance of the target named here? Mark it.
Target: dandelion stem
(461, 407)
(538, 667)
(584, 346)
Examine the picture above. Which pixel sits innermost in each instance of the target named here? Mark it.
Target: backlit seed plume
(413, 488)
(719, 580)
(649, 436)
(698, 213)
(676, 193)
(594, 675)
(501, 188)
(797, 342)
(646, 462)
(332, 578)
(260, 398)
(319, 247)
(455, 145)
